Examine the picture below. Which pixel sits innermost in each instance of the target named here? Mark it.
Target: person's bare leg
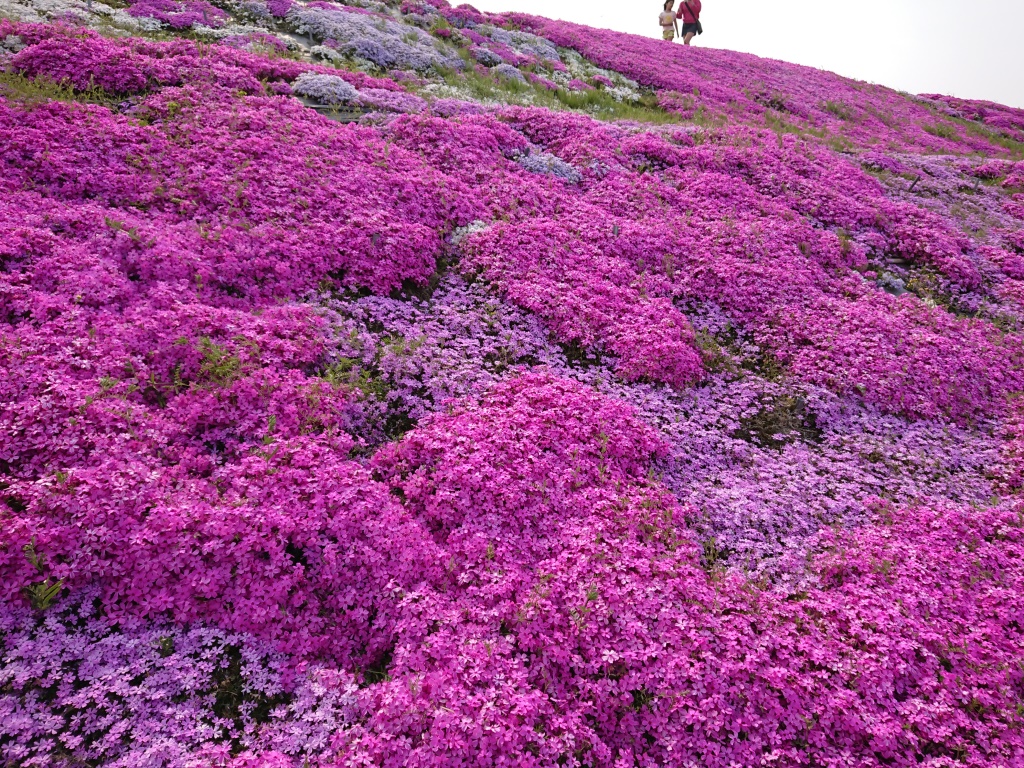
(688, 38)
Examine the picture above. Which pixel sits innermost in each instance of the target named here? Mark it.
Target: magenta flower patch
(472, 433)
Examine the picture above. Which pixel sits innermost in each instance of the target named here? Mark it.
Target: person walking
(689, 12)
(667, 20)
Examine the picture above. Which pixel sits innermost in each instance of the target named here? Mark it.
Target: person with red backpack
(689, 12)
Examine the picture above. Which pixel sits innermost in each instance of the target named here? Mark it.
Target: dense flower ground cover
(477, 430)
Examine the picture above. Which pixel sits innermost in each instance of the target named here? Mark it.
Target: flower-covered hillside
(843, 112)
(401, 385)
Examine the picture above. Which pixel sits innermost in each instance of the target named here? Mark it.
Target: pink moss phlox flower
(497, 435)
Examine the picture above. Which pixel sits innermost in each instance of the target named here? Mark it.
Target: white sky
(973, 49)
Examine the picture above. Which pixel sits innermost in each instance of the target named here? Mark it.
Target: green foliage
(766, 365)
(841, 110)
(885, 118)
(40, 594)
(928, 285)
(32, 556)
(349, 372)
(378, 671)
(712, 558)
(707, 119)
(219, 367)
(839, 143)
(642, 700)
(234, 699)
(597, 103)
(1014, 148)
(780, 125)
(39, 90)
(845, 241)
(602, 105)
(779, 422)
(715, 358)
(943, 131)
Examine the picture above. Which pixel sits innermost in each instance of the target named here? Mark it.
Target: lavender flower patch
(391, 101)
(767, 465)
(546, 163)
(453, 345)
(245, 37)
(485, 56)
(383, 42)
(521, 42)
(764, 465)
(252, 10)
(449, 107)
(325, 89)
(327, 53)
(148, 693)
(970, 194)
(508, 72)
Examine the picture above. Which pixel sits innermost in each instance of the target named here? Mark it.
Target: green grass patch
(839, 143)
(707, 119)
(885, 118)
(775, 122)
(39, 90)
(943, 131)
(975, 129)
(597, 103)
(349, 372)
(841, 110)
(219, 367)
(980, 130)
(602, 105)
